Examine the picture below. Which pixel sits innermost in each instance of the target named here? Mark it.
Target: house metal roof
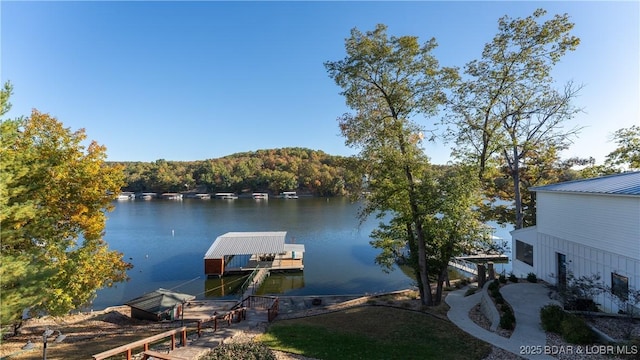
(247, 243)
(618, 184)
(159, 301)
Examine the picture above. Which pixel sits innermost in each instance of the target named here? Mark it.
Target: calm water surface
(166, 242)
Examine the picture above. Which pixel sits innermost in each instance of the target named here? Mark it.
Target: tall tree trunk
(514, 169)
(515, 173)
(423, 267)
(416, 219)
(486, 139)
(422, 247)
(441, 279)
(413, 258)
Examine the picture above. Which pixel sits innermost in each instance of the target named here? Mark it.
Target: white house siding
(583, 260)
(528, 235)
(594, 223)
(604, 222)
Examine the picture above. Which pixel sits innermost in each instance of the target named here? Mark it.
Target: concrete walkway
(526, 299)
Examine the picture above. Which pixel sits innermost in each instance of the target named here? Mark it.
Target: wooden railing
(272, 311)
(269, 303)
(249, 280)
(234, 315)
(144, 343)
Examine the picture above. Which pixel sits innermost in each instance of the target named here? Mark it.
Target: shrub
(470, 291)
(496, 294)
(462, 282)
(502, 279)
(578, 293)
(240, 351)
(494, 285)
(507, 320)
(499, 300)
(505, 308)
(576, 331)
(581, 305)
(531, 277)
(551, 317)
(513, 278)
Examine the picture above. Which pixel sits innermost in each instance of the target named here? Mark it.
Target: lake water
(166, 242)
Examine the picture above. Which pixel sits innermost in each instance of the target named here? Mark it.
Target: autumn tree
(54, 194)
(389, 82)
(508, 109)
(628, 150)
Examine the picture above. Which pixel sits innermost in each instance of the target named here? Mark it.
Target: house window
(524, 252)
(620, 286)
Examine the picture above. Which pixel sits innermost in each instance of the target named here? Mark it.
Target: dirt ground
(93, 332)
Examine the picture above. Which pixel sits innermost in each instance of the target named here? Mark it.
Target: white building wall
(599, 234)
(528, 235)
(583, 260)
(610, 223)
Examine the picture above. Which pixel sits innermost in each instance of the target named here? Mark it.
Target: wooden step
(157, 355)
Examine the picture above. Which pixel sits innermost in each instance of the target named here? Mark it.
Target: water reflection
(226, 286)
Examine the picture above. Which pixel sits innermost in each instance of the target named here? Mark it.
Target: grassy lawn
(374, 332)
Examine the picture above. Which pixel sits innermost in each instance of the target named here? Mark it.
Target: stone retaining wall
(488, 308)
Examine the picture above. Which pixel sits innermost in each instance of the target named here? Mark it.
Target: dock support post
(481, 275)
(491, 271)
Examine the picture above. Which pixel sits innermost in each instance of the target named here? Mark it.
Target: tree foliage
(388, 82)
(54, 194)
(628, 151)
(507, 111)
(274, 170)
(447, 198)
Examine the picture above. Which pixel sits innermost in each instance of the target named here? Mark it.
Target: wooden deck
(279, 263)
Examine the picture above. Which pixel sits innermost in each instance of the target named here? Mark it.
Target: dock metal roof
(247, 243)
(618, 184)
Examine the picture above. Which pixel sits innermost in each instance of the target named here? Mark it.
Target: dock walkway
(469, 264)
(255, 283)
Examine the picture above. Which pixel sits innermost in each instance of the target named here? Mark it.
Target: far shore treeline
(311, 172)
(307, 171)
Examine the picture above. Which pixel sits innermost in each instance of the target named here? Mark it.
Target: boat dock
(260, 196)
(240, 252)
(469, 263)
(226, 196)
(278, 262)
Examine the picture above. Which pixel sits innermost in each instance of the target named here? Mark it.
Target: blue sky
(199, 80)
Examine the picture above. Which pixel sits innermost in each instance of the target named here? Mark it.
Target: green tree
(387, 81)
(451, 226)
(54, 195)
(543, 166)
(508, 108)
(628, 151)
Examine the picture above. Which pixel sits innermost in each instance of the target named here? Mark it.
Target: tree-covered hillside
(275, 170)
